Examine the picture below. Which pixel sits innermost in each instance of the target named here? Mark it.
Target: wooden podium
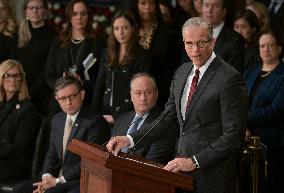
(102, 172)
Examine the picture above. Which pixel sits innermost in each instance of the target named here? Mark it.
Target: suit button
(183, 133)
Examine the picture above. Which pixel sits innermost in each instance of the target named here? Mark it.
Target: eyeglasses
(70, 97)
(35, 8)
(199, 44)
(10, 77)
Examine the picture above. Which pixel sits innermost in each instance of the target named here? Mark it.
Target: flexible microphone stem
(153, 126)
(104, 144)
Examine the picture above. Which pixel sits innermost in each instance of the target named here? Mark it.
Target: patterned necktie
(135, 124)
(193, 87)
(67, 132)
(133, 128)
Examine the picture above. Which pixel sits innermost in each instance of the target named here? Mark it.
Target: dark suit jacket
(87, 127)
(19, 123)
(161, 150)
(230, 46)
(266, 110)
(214, 127)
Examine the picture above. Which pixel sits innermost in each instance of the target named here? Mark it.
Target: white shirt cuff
(131, 141)
(45, 174)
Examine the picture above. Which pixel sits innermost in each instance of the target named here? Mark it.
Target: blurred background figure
(161, 43)
(261, 12)
(76, 52)
(197, 8)
(123, 58)
(18, 124)
(30, 47)
(246, 23)
(265, 83)
(8, 27)
(229, 44)
(276, 15)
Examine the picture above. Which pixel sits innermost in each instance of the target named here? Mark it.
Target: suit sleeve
(233, 107)
(52, 161)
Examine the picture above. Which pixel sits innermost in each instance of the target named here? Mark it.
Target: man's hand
(46, 183)
(117, 143)
(180, 164)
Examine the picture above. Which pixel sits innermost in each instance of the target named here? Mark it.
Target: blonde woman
(31, 47)
(18, 123)
(7, 28)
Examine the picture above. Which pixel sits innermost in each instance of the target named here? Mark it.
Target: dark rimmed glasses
(198, 44)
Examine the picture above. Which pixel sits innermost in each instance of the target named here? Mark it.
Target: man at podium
(209, 100)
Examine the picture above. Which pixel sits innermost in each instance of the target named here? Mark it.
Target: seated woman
(18, 123)
(265, 83)
(124, 58)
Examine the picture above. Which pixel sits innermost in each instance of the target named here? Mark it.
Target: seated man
(144, 94)
(61, 169)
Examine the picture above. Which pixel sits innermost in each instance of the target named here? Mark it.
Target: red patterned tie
(193, 87)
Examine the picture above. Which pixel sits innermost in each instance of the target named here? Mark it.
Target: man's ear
(82, 93)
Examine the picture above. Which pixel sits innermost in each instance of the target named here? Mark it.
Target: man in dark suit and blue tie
(61, 169)
(144, 94)
(209, 100)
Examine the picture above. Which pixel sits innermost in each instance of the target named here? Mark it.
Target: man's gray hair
(144, 74)
(198, 21)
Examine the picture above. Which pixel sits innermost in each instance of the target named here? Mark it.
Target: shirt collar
(73, 117)
(217, 30)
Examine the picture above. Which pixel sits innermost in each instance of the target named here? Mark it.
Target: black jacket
(19, 123)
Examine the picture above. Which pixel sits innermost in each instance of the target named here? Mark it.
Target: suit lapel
(181, 82)
(205, 80)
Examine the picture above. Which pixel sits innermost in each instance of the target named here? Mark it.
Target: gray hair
(198, 21)
(144, 74)
(65, 81)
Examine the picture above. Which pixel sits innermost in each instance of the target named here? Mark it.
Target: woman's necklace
(77, 41)
(74, 62)
(264, 73)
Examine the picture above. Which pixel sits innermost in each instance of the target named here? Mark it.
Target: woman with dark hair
(161, 43)
(123, 58)
(246, 24)
(30, 47)
(76, 52)
(8, 27)
(18, 123)
(265, 83)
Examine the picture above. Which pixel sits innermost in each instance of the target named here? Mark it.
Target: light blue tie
(133, 128)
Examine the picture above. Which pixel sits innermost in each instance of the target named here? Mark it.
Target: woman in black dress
(123, 58)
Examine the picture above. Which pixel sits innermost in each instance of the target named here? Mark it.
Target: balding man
(144, 94)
